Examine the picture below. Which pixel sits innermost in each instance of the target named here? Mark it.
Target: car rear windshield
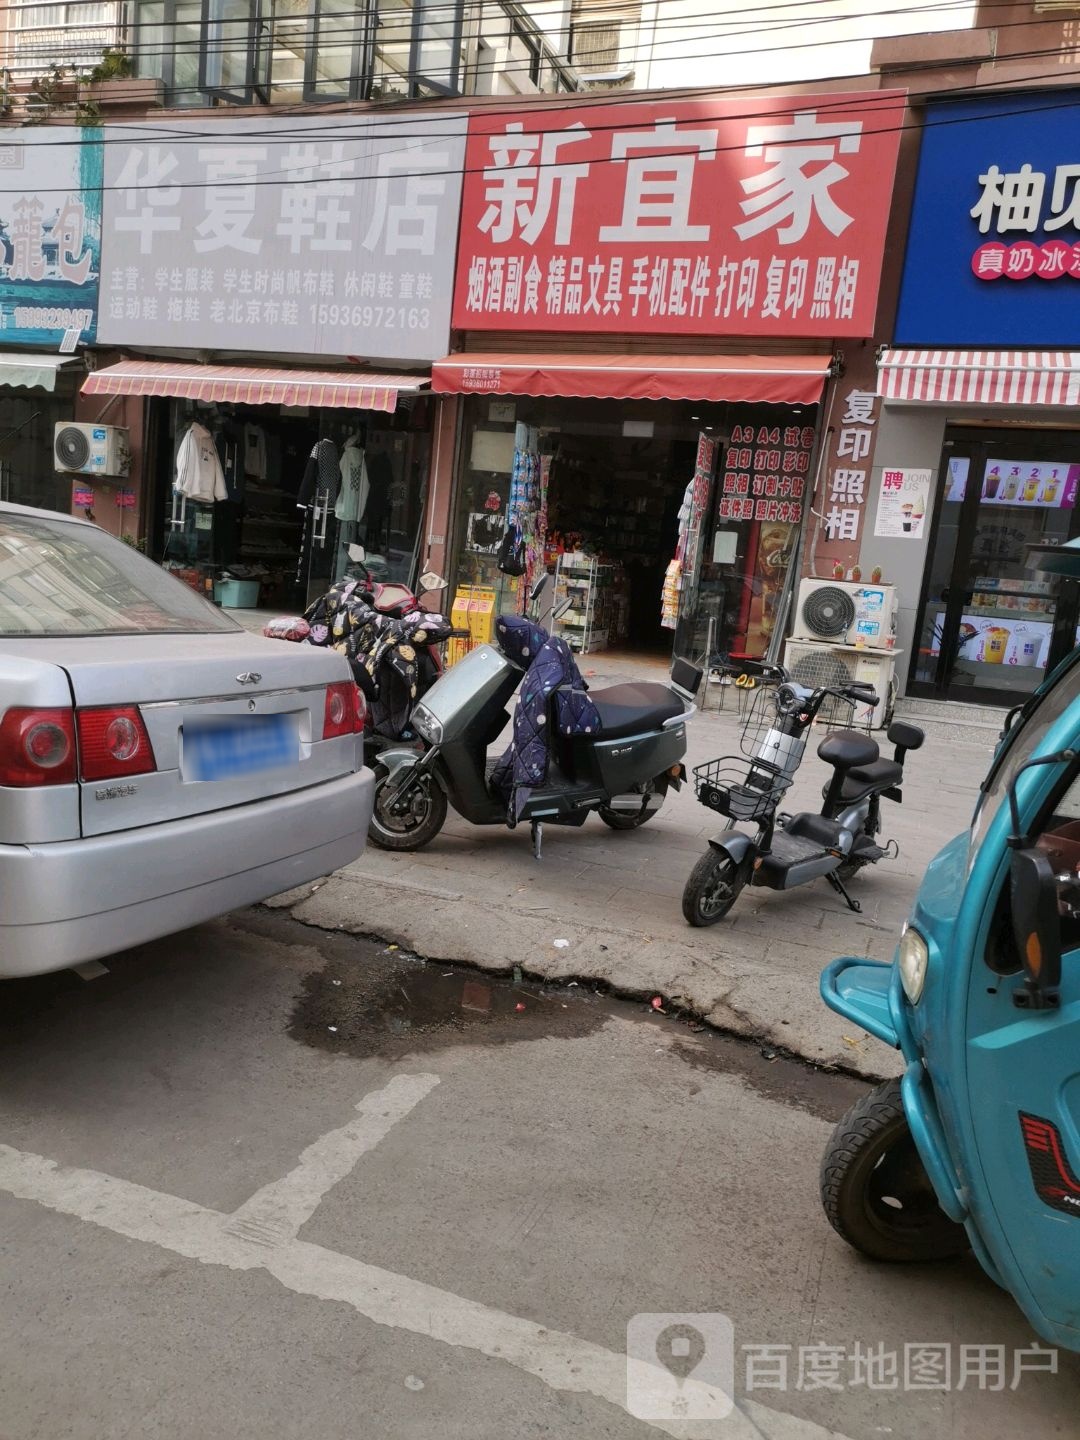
(63, 578)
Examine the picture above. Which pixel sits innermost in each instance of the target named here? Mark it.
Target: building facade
(979, 389)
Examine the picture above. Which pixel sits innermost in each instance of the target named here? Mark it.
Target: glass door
(990, 626)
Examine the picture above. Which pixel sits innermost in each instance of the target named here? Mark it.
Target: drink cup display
(993, 480)
(905, 515)
(995, 643)
(1031, 488)
(1012, 485)
(1049, 492)
(1027, 651)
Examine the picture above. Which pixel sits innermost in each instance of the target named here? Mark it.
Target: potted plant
(112, 83)
(56, 90)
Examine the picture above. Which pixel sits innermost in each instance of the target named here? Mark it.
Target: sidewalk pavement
(612, 899)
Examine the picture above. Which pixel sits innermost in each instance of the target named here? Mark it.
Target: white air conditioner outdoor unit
(815, 665)
(838, 611)
(80, 449)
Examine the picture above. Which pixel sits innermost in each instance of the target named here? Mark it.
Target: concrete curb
(743, 996)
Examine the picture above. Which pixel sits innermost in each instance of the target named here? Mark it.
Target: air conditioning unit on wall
(814, 665)
(839, 611)
(81, 449)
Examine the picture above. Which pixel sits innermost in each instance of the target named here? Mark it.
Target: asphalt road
(263, 1181)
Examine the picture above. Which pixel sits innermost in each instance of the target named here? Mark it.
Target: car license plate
(227, 747)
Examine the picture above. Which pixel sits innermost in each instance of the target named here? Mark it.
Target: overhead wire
(308, 23)
(920, 123)
(549, 105)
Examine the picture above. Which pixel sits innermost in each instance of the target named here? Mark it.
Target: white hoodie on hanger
(198, 467)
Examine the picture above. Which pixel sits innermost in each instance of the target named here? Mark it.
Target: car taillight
(113, 742)
(345, 712)
(37, 747)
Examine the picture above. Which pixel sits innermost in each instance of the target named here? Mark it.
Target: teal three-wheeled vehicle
(978, 1145)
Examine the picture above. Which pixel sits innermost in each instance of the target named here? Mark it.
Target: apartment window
(523, 53)
(234, 59)
(594, 45)
(66, 34)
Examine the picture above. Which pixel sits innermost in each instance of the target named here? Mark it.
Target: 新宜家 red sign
(737, 217)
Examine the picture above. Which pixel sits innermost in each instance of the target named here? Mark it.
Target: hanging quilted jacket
(551, 672)
(382, 651)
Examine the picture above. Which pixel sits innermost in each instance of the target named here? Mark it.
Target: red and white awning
(245, 386)
(752, 379)
(981, 377)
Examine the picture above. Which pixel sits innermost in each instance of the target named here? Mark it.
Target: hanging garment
(552, 671)
(255, 452)
(322, 475)
(352, 498)
(198, 469)
(380, 471)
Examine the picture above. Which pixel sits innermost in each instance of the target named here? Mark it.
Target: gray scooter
(622, 773)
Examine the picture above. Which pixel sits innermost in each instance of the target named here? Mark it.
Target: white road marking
(279, 1210)
(261, 1234)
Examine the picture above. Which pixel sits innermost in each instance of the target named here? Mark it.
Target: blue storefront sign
(50, 237)
(993, 253)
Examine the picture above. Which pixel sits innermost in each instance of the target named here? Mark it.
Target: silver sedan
(158, 765)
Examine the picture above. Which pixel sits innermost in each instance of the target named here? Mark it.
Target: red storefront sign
(733, 217)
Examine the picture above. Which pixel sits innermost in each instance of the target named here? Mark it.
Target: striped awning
(747, 379)
(245, 386)
(981, 377)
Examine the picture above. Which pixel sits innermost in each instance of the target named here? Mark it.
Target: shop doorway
(303, 486)
(990, 626)
(601, 490)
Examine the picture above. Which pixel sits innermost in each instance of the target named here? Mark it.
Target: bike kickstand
(838, 885)
(537, 838)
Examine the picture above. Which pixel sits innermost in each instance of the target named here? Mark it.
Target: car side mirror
(1036, 928)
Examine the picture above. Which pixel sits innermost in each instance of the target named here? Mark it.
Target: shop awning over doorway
(238, 385)
(747, 379)
(34, 372)
(981, 377)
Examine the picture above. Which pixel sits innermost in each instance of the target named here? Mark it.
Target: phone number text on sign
(762, 217)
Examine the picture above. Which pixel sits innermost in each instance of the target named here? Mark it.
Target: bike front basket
(738, 790)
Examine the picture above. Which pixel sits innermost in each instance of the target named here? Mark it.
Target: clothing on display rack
(322, 476)
(255, 452)
(199, 475)
(380, 470)
(353, 496)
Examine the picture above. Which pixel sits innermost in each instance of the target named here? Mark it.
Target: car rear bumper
(78, 900)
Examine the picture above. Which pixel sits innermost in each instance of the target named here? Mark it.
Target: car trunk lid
(231, 719)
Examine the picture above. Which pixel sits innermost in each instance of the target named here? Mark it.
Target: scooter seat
(844, 750)
(819, 828)
(630, 709)
(864, 779)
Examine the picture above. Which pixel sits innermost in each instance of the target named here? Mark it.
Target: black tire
(712, 889)
(875, 1189)
(620, 820)
(415, 829)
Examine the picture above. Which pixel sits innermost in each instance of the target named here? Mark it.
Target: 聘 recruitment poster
(50, 236)
(902, 504)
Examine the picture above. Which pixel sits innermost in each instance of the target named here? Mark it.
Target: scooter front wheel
(414, 822)
(712, 889)
(875, 1189)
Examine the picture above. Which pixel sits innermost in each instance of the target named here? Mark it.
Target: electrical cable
(181, 130)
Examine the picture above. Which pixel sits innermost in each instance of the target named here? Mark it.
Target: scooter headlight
(425, 725)
(913, 957)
